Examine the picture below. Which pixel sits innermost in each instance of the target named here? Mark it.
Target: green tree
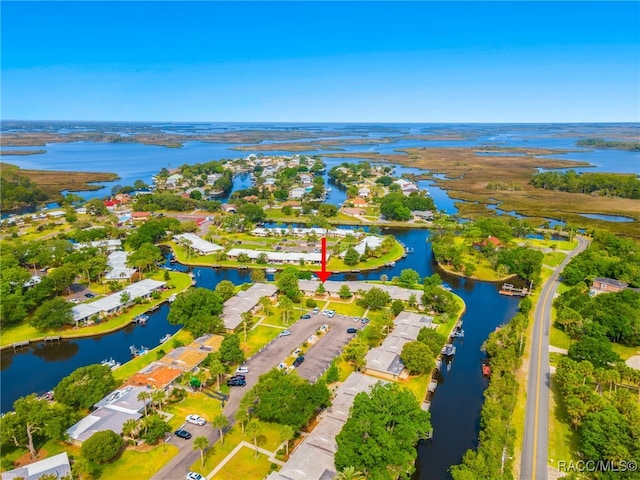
(345, 291)
(197, 310)
(102, 447)
(351, 257)
(287, 283)
(417, 357)
(32, 416)
(286, 435)
(375, 299)
(230, 351)
(85, 386)
(254, 430)
(350, 473)
(225, 289)
(397, 306)
(53, 314)
(155, 427)
(408, 278)
(201, 444)
(257, 275)
(145, 257)
(220, 422)
(382, 431)
(596, 350)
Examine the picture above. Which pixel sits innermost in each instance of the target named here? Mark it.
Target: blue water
(607, 218)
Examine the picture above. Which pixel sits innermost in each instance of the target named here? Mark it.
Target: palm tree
(266, 305)
(220, 422)
(246, 318)
(286, 434)
(130, 429)
(350, 473)
(384, 278)
(143, 397)
(158, 398)
(242, 416)
(254, 429)
(201, 443)
(287, 309)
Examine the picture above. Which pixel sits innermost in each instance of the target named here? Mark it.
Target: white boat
(271, 270)
(165, 338)
(172, 298)
(111, 363)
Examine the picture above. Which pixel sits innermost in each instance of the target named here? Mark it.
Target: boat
(172, 298)
(458, 333)
(111, 363)
(486, 369)
(141, 319)
(165, 338)
(448, 350)
(137, 352)
(271, 270)
(390, 264)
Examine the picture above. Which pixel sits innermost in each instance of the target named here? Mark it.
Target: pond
(608, 218)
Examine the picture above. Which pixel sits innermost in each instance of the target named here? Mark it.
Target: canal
(455, 408)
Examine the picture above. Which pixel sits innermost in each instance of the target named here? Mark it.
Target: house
(359, 202)
(607, 285)
(110, 413)
(57, 465)
(123, 198)
(305, 178)
(228, 207)
(489, 241)
(279, 258)
(384, 361)
(354, 212)
(296, 193)
(173, 180)
(251, 198)
(155, 375)
(364, 192)
(314, 458)
(423, 215)
(203, 247)
(245, 301)
(369, 242)
(111, 204)
(117, 266)
(140, 216)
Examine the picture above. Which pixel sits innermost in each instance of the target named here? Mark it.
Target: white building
(245, 301)
(280, 258)
(204, 247)
(117, 266)
(57, 465)
(370, 241)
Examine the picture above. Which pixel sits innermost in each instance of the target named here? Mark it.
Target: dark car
(352, 330)
(365, 320)
(182, 434)
(89, 295)
(236, 382)
(238, 377)
(298, 361)
(305, 317)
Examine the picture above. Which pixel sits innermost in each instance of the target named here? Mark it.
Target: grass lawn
(143, 463)
(418, 385)
(134, 365)
(559, 338)
(50, 448)
(337, 264)
(560, 244)
(553, 259)
(351, 309)
(624, 351)
(245, 465)
(257, 338)
(24, 331)
(270, 440)
(196, 403)
(563, 439)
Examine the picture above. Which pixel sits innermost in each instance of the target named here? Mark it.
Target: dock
(24, 343)
(53, 338)
(511, 291)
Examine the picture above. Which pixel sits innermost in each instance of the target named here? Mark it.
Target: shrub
(102, 447)
(311, 303)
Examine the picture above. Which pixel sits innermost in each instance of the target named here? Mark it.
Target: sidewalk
(271, 456)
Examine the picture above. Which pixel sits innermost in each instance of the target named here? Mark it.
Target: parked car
(182, 434)
(236, 382)
(195, 476)
(74, 300)
(89, 295)
(305, 316)
(356, 319)
(352, 330)
(284, 333)
(315, 311)
(298, 361)
(238, 377)
(331, 313)
(364, 320)
(242, 370)
(196, 420)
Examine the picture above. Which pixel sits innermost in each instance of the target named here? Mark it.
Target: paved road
(270, 356)
(536, 431)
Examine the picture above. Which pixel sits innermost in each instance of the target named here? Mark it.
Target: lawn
(563, 440)
(351, 309)
(257, 338)
(270, 441)
(24, 331)
(195, 403)
(558, 338)
(418, 385)
(246, 466)
(337, 264)
(136, 364)
(624, 351)
(559, 244)
(143, 463)
(553, 259)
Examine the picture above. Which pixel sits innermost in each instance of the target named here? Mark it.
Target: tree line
(601, 143)
(605, 184)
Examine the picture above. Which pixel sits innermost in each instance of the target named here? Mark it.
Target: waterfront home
(110, 414)
(607, 285)
(140, 216)
(203, 247)
(354, 212)
(117, 266)
(332, 288)
(384, 361)
(278, 258)
(228, 207)
(56, 466)
(369, 242)
(490, 241)
(364, 192)
(155, 375)
(314, 458)
(358, 202)
(245, 301)
(296, 193)
(108, 245)
(423, 215)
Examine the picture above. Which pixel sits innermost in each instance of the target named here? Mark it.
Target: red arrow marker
(323, 274)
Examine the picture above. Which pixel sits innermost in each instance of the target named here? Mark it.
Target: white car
(195, 476)
(284, 333)
(196, 420)
(242, 370)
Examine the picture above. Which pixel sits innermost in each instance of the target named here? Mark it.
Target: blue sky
(325, 61)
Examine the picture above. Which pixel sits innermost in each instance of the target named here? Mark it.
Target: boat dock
(140, 319)
(53, 338)
(24, 343)
(510, 290)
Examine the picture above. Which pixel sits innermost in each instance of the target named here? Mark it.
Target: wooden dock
(24, 343)
(510, 290)
(53, 338)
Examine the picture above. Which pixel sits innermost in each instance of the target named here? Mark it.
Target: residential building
(117, 266)
(278, 258)
(57, 465)
(245, 301)
(607, 285)
(203, 247)
(369, 242)
(332, 287)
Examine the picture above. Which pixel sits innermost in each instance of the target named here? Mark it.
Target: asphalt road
(536, 431)
(270, 356)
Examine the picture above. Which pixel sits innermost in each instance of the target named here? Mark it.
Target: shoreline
(458, 274)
